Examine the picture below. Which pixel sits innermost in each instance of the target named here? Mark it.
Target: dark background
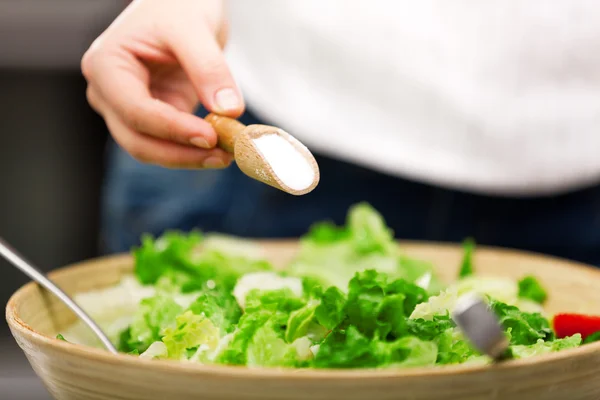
(51, 150)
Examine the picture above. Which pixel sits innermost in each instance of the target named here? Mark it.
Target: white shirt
(495, 96)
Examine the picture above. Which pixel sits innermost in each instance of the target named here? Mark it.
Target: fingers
(147, 72)
(151, 150)
(174, 88)
(223, 34)
(198, 51)
(123, 83)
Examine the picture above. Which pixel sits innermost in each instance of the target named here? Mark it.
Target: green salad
(349, 298)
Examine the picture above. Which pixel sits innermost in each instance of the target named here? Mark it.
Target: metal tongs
(18, 261)
(481, 326)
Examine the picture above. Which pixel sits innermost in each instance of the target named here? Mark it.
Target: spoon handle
(227, 130)
(19, 261)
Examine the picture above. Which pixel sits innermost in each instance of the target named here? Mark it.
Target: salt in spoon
(13, 257)
(481, 326)
(268, 154)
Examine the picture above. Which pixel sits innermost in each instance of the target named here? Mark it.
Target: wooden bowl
(76, 372)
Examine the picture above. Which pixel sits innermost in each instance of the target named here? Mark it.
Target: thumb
(200, 55)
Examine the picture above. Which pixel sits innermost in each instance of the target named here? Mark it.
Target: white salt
(290, 165)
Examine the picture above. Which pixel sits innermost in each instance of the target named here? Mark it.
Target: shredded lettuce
(191, 332)
(300, 321)
(453, 348)
(530, 288)
(466, 268)
(523, 328)
(154, 315)
(542, 347)
(220, 307)
(351, 349)
(594, 337)
(173, 256)
(349, 299)
(155, 350)
(332, 255)
(330, 312)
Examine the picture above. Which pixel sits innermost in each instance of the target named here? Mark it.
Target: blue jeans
(141, 198)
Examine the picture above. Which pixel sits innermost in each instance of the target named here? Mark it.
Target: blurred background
(51, 149)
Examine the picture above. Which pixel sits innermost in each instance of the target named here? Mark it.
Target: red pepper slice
(570, 324)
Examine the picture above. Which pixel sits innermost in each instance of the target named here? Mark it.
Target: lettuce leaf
(249, 324)
(333, 255)
(543, 347)
(378, 309)
(351, 349)
(300, 321)
(330, 312)
(594, 337)
(283, 300)
(153, 316)
(368, 231)
(466, 267)
(346, 349)
(268, 349)
(191, 332)
(530, 288)
(429, 329)
(500, 289)
(453, 348)
(408, 351)
(220, 307)
(174, 256)
(171, 252)
(327, 233)
(523, 328)
(420, 272)
(155, 350)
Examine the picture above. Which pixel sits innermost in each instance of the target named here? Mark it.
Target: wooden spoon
(241, 140)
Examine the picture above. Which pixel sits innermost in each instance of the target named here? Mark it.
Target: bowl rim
(99, 355)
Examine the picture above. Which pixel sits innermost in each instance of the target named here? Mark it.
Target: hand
(147, 72)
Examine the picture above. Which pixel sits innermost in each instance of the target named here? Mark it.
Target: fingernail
(213, 162)
(227, 100)
(199, 142)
